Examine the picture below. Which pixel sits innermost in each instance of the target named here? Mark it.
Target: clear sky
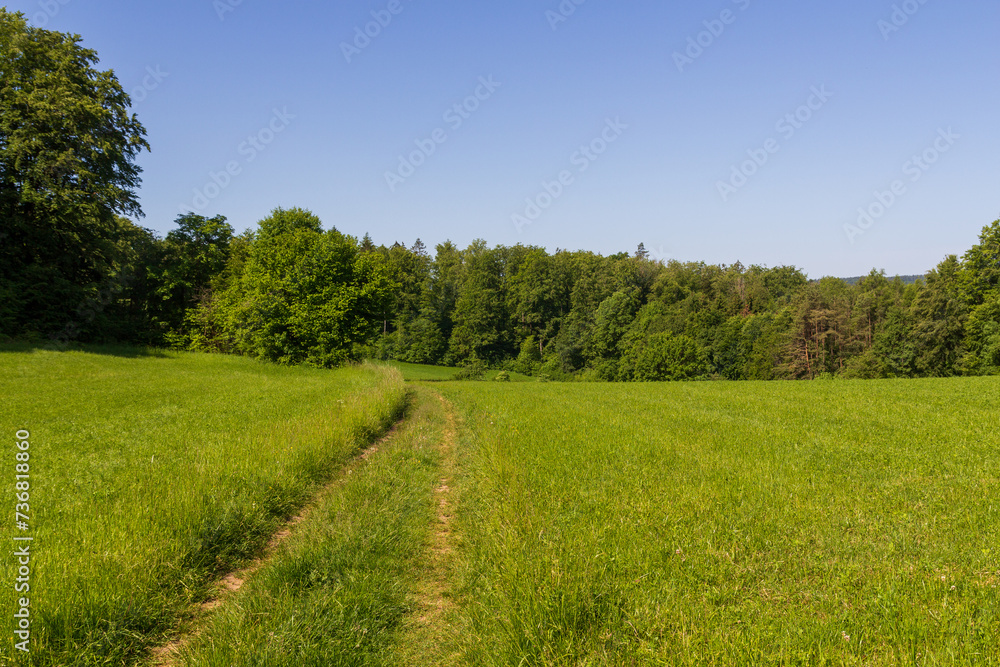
(681, 109)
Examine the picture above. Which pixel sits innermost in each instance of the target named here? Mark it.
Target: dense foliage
(288, 292)
(631, 318)
(291, 292)
(67, 170)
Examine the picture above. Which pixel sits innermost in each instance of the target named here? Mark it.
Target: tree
(67, 169)
(663, 357)
(821, 329)
(304, 295)
(980, 274)
(940, 313)
(983, 337)
(611, 321)
(192, 255)
(480, 314)
(539, 296)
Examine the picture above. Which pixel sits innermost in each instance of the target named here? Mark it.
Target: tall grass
(841, 523)
(339, 588)
(151, 475)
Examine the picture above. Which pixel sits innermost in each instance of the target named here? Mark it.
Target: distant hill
(907, 280)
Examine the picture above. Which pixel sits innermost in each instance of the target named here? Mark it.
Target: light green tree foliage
(304, 295)
(611, 322)
(980, 288)
(663, 356)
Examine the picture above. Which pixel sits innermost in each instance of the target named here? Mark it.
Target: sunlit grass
(338, 589)
(719, 524)
(422, 372)
(153, 474)
(413, 372)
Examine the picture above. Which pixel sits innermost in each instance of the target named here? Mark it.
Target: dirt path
(168, 654)
(432, 598)
(427, 637)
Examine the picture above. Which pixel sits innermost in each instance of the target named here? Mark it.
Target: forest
(290, 292)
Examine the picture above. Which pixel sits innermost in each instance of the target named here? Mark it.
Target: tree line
(74, 268)
(628, 317)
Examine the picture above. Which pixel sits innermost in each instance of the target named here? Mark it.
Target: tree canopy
(68, 146)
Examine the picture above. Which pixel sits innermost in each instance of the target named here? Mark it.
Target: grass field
(424, 373)
(417, 372)
(838, 523)
(823, 523)
(152, 473)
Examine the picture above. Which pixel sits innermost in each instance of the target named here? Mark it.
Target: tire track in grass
(427, 635)
(166, 655)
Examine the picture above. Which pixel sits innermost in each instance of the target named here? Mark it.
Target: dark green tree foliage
(980, 288)
(191, 256)
(940, 313)
(68, 146)
(480, 312)
(539, 295)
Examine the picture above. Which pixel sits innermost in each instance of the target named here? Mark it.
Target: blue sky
(655, 138)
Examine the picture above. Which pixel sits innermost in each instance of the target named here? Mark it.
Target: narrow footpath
(424, 636)
(428, 636)
(167, 654)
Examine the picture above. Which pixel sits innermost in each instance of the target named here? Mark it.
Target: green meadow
(812, 523)
(152, 473)
(339, 591)
(837, 523)
(427, 373)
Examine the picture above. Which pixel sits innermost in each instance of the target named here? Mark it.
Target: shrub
(473, 370)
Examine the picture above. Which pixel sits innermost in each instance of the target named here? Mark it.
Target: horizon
(835, 139)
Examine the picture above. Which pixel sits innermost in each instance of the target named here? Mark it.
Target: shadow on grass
(112, 350)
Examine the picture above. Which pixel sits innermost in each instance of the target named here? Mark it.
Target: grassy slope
(415, 372)
(339, 588)
(424, 373)
(152, 474)
(718, 524)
